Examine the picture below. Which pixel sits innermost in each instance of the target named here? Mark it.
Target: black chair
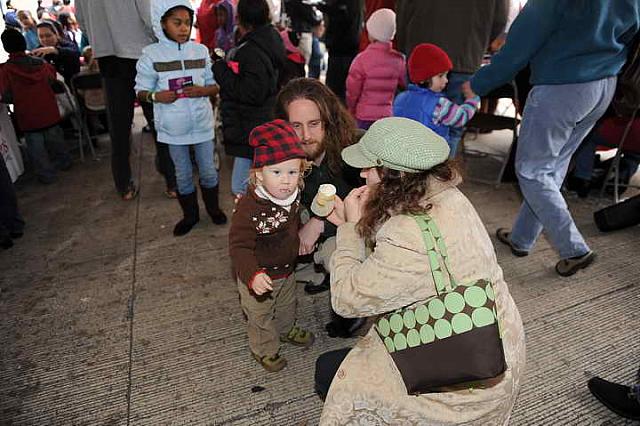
(479, 162)
(79, 84)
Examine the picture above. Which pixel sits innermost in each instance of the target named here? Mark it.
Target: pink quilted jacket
(374, 76)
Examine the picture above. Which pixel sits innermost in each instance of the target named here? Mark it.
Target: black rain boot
(211, 203)
(190, 210)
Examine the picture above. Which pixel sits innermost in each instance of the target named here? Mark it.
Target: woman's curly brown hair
(400, 193)
(339, 126)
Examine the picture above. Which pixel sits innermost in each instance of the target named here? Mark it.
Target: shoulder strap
(437, 252)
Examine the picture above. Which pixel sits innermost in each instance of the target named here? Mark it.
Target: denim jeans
(184, 169)
(41, 144)
(240, 175)
(555, 121)
(453, 91)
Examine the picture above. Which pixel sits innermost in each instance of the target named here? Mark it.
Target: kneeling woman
(408, 173)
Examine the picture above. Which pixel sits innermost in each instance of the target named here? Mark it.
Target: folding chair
(632, 145)
(478, 162)
(83, 82)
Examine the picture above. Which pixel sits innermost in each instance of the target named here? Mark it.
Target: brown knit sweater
(263, 238)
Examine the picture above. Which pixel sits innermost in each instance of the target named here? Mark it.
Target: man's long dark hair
(339, 127)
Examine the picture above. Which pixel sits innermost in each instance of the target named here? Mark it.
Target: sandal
(130, 193)
(271, 363)
(298, 337)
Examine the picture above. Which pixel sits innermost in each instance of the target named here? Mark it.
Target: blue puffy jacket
(187, 120)
(418, 103)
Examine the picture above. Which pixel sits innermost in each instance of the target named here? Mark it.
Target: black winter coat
(249, 96)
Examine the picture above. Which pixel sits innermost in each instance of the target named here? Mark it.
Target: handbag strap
(437, 252)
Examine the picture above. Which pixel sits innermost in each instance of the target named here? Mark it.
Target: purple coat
(374, 76)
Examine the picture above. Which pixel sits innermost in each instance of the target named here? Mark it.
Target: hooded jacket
(26, 81)
(248, 86)
(186, 120)
(225, 34)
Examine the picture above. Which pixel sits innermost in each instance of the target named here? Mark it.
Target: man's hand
(43, 51)
(166, 96)
(309, 235)
(261, 284)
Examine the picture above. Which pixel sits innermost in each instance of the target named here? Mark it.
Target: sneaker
(504, 236)
(298, 337)
(568, 267)
(272, 363)
(617, 398)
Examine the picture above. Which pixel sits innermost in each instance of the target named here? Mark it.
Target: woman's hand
(43, 51)
(354, 204)
(261, 284)
(165, 96)
(337, 214)
(309, 235)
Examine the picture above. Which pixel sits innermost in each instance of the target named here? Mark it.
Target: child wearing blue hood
(175, 75)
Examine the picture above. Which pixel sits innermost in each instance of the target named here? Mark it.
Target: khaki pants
(269, 315)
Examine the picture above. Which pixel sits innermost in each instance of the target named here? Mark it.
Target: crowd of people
(382, 131)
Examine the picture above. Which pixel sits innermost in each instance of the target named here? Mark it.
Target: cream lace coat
(368, 389)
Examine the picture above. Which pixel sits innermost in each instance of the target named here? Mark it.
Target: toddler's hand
(166, 96)
(261, 284)
(467, 91)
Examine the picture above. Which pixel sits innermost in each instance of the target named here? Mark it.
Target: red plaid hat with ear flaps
(274, 142)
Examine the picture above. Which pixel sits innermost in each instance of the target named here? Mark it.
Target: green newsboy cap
(398, 143)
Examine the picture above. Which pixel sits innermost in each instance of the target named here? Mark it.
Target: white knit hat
(382, 25)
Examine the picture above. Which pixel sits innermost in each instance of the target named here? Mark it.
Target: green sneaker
(299, 337)
(271, 363)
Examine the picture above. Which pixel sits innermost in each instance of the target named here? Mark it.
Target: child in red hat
(264, 243)
(424, 100)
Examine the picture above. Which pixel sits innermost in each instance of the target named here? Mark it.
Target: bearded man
(325, 127)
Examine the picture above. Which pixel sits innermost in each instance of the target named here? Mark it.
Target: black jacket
(67, 61)
(344, 23)
(303, 16)
(319, 175)
(248, 97)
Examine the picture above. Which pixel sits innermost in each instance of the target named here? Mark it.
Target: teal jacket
(565, 42)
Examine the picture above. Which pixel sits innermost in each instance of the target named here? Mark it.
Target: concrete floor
(107, 319)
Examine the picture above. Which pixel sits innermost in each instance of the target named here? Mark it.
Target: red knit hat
(427, 60)
(274, 142)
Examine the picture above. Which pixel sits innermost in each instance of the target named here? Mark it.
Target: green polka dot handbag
(452, 338)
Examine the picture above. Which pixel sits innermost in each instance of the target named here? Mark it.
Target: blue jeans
(184, 170)
(453, 91)
(45, 144)
(556, 118)
(240, 175)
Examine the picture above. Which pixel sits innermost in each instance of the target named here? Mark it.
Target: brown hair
(400, 193)
(339, 126)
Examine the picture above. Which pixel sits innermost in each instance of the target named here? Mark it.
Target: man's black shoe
(344, 327)
(615, 397)
(325, 285)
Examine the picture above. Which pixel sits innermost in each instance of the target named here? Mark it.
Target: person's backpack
(627, 97)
